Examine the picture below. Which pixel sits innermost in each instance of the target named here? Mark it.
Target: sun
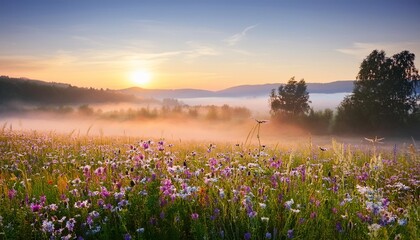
(141, 77)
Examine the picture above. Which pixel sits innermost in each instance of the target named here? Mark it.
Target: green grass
(116, 188)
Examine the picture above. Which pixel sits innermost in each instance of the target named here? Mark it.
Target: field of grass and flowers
(73, 187)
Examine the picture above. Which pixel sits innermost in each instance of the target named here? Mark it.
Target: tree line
(28, 91)
(385, 100)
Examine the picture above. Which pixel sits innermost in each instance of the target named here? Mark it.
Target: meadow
(68, 186)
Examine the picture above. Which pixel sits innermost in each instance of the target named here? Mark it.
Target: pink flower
(35, 207)
(99, 171)
(12, 193)
(194, 216)
(104, 192)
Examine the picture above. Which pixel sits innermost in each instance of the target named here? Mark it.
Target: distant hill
(237, 91)
(51, 93)
(36, 92)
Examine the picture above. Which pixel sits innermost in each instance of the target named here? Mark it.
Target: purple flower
(12, 193)
(339, 227)
(99, 171)
(247, 236)
(35, 207)
(47, 226)
(89, 220)
(86, 171)
(268, 235)
(217, 212)
(290, 233)
(153, 221)
(42, 199)
(70, 224)
(104, 192)
(194, 216)
(100, 202)
(252, 214)
(127, 236)
(280, 198)
(94, 214)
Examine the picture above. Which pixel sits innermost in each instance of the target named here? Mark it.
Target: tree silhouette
(384, 95)
(291, 100)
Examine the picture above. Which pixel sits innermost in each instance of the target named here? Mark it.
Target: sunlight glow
(141, 77)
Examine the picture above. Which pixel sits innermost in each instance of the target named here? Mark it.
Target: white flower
(402, 222)
(295, 210)
(262, 205)
(374, 227)
(289, 204)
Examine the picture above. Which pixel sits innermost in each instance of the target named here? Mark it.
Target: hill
(39, 92)
(237, 91)
(52, 93)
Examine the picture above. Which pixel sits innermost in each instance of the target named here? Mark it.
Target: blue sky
(199, 44)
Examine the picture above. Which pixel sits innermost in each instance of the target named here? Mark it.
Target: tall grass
(67, 187)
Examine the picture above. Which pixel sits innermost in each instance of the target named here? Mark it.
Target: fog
(171, 129)
(260, 105)
(233, 124)
(187, 130)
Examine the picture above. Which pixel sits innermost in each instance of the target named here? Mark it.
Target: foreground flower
(290, 233)
(289, 204)
(70, 224)
(35, 207)
(47, 226)
(127, 236)
(194, 216)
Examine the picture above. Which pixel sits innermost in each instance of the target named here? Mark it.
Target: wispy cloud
(234, 39)
(361, 50)
(199, 50)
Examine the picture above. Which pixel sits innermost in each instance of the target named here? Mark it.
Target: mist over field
(28, 105)
(260, 105)
(181, 129)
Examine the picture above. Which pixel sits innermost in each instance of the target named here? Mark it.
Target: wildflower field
(79, 187)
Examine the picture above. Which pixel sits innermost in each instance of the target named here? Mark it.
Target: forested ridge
(38, 92)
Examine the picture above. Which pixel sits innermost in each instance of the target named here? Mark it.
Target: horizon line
(184, 88)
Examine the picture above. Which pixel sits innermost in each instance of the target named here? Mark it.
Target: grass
(85, 187)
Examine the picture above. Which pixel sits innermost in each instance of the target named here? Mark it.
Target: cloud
(120, 58)
(361, 50)
(199, 50)
(234, 39)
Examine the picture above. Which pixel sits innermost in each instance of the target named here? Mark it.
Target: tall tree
(384, 95)
(291, 99)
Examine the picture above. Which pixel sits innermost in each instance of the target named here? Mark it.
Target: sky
(199, 44)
